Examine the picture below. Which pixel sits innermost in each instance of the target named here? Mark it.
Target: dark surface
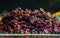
(51, 6)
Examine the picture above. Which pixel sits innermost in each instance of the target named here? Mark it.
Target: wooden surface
(31, 37)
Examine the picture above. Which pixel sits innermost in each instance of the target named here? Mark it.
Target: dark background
(48, 5)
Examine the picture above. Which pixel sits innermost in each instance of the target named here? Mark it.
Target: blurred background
(48, 5)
